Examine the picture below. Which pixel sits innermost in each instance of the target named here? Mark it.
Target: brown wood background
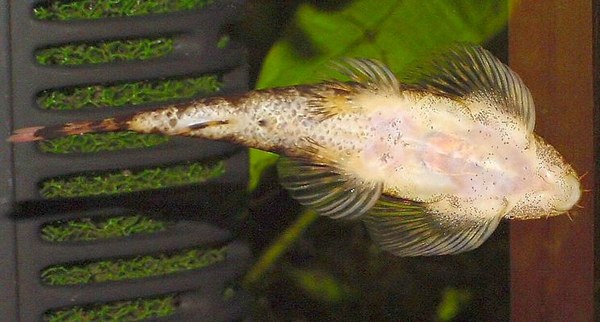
(552, 260)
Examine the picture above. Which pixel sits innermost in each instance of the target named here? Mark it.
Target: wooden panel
(552, 260)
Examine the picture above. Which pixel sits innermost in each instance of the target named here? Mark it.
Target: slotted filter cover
(124, 227)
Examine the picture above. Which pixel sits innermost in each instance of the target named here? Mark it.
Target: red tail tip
(25, 135)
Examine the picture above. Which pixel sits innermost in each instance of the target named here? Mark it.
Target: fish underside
(430, 166)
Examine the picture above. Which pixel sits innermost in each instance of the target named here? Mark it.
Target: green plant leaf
(396, 32)
(452, 303)
(279, 246)
(320, 285)
(260, 160)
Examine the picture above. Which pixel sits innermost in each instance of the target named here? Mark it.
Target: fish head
(554, 186)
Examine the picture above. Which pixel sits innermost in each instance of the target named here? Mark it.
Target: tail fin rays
(50, 132)
(27, 134)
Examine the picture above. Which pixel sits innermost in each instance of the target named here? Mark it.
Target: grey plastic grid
(23, 296)
(196, 52)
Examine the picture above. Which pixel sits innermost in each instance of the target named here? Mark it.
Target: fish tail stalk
(265, 119)
(260, 119)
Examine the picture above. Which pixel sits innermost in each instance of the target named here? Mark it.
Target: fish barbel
(430, 166)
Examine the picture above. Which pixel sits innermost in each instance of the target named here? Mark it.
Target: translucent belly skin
(461, 158)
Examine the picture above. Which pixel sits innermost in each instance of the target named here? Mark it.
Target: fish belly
(437, 151)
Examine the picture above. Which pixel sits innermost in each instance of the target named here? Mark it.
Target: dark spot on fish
(236, 100)
(262, 122)
(182, 106)
(124, 119)
(172, 122)
(212, 100)
(180, 112)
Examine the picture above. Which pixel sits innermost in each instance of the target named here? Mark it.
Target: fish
(430, 163)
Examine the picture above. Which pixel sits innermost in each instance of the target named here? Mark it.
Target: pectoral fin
(326, 190)
(404, 228)
(467, 70)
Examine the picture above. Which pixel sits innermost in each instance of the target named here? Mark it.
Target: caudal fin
(38, 133)
(25, 134)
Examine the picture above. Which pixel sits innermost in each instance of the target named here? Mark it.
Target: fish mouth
(545, 204)
(573, 194)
